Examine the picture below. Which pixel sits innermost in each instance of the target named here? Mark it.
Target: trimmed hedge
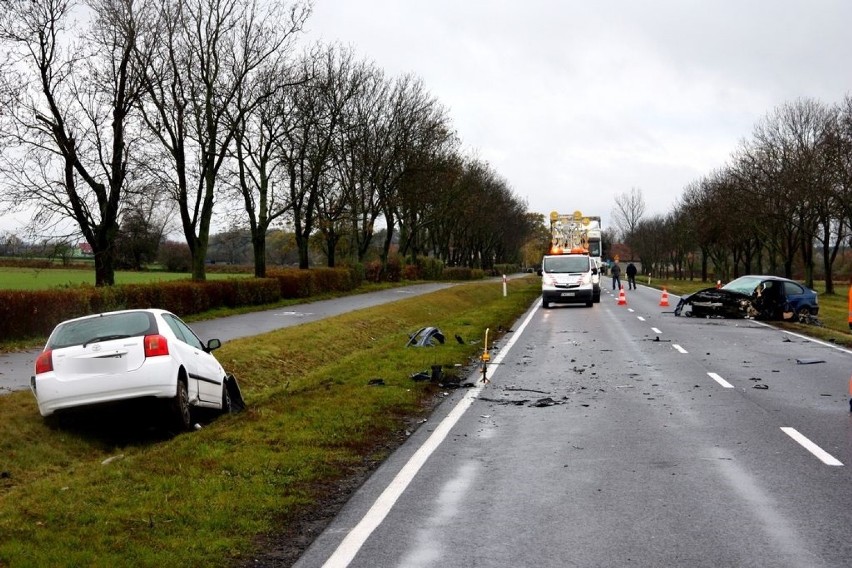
(26, 314)
(462, 273)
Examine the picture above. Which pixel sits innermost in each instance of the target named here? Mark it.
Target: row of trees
(783, 200)
(116, 113)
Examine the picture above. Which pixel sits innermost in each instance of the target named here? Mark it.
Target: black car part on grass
(425, 337)
(238, 404)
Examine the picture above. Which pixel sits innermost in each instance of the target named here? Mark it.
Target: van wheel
(545, 304)
(589, 304)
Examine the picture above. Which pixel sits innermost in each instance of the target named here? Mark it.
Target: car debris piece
(238, 404)
(421, 376)
(546, 401)
(809, 361)
(376, 382)
(425, 337)
(761, 386)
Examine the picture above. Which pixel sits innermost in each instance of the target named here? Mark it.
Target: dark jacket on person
(631, 270)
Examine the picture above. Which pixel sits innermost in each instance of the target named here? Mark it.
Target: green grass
(12, 278)
(204, 498)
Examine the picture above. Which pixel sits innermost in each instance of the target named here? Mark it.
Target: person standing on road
(616, 276)
(631, 276)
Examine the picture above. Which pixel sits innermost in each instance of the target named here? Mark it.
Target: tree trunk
(104, 267)
(258, 244)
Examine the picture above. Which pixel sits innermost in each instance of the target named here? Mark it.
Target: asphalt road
(16, 368)
(672, 442)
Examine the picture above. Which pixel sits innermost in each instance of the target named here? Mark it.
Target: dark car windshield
(102, 328)
(566, 264)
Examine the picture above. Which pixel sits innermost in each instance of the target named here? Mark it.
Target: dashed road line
(720, 380)
(679, 348)
(820, 454)
(655, 330)
(640, 318)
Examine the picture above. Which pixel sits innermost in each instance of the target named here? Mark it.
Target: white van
(568, 279)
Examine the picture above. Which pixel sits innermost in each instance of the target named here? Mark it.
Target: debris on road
(809, 361)
(761, 386)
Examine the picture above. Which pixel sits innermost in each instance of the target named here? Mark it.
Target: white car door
(205, 373)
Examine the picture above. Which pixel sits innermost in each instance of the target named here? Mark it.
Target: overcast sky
(576, 102)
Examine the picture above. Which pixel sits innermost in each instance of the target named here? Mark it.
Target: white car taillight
(44, 363)
(156, 345)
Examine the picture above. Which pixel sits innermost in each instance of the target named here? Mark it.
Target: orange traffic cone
(664, 299)
(622, 299)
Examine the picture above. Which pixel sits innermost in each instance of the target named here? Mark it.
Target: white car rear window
(102, 328)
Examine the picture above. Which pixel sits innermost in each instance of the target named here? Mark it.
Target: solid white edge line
(820, 454)
(679, 348)
(349, 547)
(721, 381)
(805, 337)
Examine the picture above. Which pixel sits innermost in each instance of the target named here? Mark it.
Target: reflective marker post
(504, 285)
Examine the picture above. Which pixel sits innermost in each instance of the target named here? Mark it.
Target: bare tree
(362, 158)
(262, 125)
(67, 117)
(205, 53)
(308, 147)
(627, 212)
(423, 141)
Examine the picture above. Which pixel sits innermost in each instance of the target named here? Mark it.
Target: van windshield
(566, 264)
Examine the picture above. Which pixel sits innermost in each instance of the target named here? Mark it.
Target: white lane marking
(349, 547)
(679, 348)
(805, 337)
(640, 318)
(630, 310)
(821, 454)
(721, 381)
(655, 330)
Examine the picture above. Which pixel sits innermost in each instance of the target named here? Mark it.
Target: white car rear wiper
(105, 338)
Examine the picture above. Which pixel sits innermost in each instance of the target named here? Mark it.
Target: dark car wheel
(179, 407)
(803, 315)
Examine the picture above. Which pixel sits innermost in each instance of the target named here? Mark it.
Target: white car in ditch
(130, 354)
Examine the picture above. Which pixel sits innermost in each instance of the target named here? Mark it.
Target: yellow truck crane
(576, 232)
(571, 270)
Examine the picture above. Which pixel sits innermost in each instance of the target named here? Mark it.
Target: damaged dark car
(757, 297)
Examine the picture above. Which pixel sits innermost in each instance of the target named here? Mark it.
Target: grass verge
(112, 491)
